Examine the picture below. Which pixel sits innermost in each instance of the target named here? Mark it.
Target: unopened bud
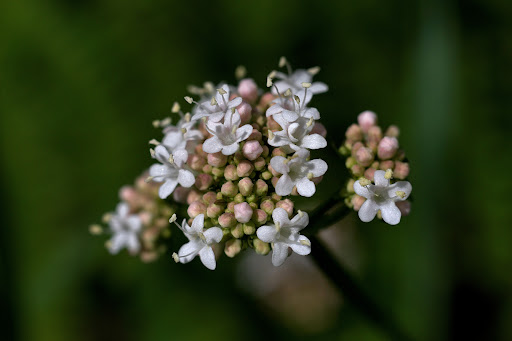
(404, 207)
(180, 194)
(203, 181)
(245, 186)
(227, 220)
(401, 170)
(387, 147)
(261, 188)
(350, 186)
(229, 189)
(261, 247)
(259, 163)
(209, 197)
(252, 150)
(249, 228)
(237, 231)
(232, 247)
(287, 205)
(369, 173)
(374, 133)
(244, 168)
(245, 111)
(259, 217)
(217, 172)
(196, 208)
(248, 90)
(354, 133)
(364, 156)
(217, 159)
(319, 129)
(243, 212)
(268, 206)
(357, 202)
(366, 119)
(214, 210)
(192, 196)
(387, 164)
(230, 173)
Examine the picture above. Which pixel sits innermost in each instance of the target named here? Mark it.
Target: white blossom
(284, 233)
(382, 196)
(217, 108)
(294, 82)
(227, 135)
(297, 172)
(125, 227)
(296, 135)
(181, 136)
(291, 108)
(170, 171)
(200, 241)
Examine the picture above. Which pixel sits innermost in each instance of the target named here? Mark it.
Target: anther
(306, 85)
(364, 182)
(173, 218)
(213, 101)
(152, 152)
(269, 82)
(154, 142)
(389, 174)
(282, 61)
(221, 91)
(288, 92)
(310, 122)
(240, 72)
(175, 257)
(401, 194)
(297, 99)
(314, 70)
(175, 107)
(149, 178)
(270, 135)
(189, 99)
(305, 242)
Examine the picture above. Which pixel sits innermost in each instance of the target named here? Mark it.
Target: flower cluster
(374, 156)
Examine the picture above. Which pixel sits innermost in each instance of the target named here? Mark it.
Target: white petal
(180, 157)
(318, 88)
(273, 110)
(318, 167)
(243, 133)
(186, 178)
(132, 243)
(390, 213)
(267, 233)
(279, 253)
(134, 223)
(122, 209)
(313, 141)
(379, 179)
(116, 223)
(208, 257)
(117, 242)
(280, 139)
(231, 149)
(213, 235)
(197, 224)
(306, 187)
(212, 145)
(362, 191)
(300, 221)
(217, 116)
(173, 138)
(167, 188)
(235, 102)
(280, 216)
(279, 165)
(289, 116)
(159, 172)
(188, 251)
(300, 248)
(311, 112)
(403, 186)
(284, 185)
(161, 154)
(368, 211)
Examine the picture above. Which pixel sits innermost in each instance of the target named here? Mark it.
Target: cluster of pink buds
(374, 156)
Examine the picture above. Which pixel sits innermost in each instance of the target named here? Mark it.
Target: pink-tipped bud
(214, 210)
(356, 147)
(401, 170)
(261, 247)
(231, 207)
(248, 90)
(259, 163)
(319, 129)
(374, 134)
(209, 197)
(357, 202)
(385, 165)
(261, 188)
(274, 181)
(354, 133)
(192, 196)
(287, 205)
(217, 159)
(266, 151)
(230, 173)
(218, 172)
(196, 208)
(364, 156)
(245, 186)
(238, 230)
(267, 206)
(369, 173)
(273, 171)
(393, 131)
(232, 247)
(266, 99)
(245, 111)
(243, 212)
(128, 193)
(252, 150)
(199, 150)
(366, 119)
(196, 162)
(203, 181)
(227, 220)
(272, 124)
(357, 170)
(278, 152)
(404, 207)
(255, 135)
(145, 217)
(276, 197)
(249, 228)
(180, 194)
(244, 168)
(387, 147)
(229, 189)
(259, 217)
(207, 169)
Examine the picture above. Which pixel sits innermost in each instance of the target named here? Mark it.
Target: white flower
(125, 228)
(294, 82)
(382, 196)
(217, 108)
(227, 135)
(296, 135)
(181, 136)
(170, 171)
(284, 233)
(200, 241)
(291, 109)
(297, 172)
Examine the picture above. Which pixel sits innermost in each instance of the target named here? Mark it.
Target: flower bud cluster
(368, 148)
(141, 221)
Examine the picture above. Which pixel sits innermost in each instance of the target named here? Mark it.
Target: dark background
(81, 82)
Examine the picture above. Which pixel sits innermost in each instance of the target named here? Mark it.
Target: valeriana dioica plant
(232, 163)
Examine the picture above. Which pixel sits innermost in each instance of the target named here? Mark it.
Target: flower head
(200, 241)
(382, 196)
(284, 233)
(125, 228)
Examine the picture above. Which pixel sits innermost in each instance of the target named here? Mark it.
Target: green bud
(249, 228)
(238, 231)
(261, 247)
(232, 247)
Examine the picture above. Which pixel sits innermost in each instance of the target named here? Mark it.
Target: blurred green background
(81, 82)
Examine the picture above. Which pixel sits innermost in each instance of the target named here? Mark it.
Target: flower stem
(352, 290)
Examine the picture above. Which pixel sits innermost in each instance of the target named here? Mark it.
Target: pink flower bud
(209, 197)
(387, 147)
(276, 197)
(259, 217)
(244, 168)
(393, 131)
(252, 150)
(272, 124)
(357, 202)
(374, 133)
(366, 119)
(319, 129)
(232, 247)
(217, 159)
(259, 163)
(213, 210)
(203, 181)
(245, 186)
(207, 169)
(278, 152)
(356, 147)
(196, 208)
(243, 212)
(199, 150)
(364, 156)
(274, 181)
(192, 196)
(248, 90)
(231, 207)
(357, 170)
(180, 194)
(230, 173)
(350, 185)
(267, 206)
(354, 133)
(229, 189)
(404, 207)
(261, 247)
(401, 170)
(369, 173)
(255, 135)
(227, 220)
(266, 99)
(273, 171)
(145, 217)
(196, 162)
(128, 193)
(261, 187)
(218, 172)
(238, 230)
(385, 165)
(245, 110)
(249, 228)
(287, 205)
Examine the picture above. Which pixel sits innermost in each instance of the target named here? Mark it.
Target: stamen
(203, 238)
(154, 142)
(213, 101)
(278, 226)
(270, 135)
(171, 159)
(106, 217)
(364, 182)
(314, 70)
(183, 130)
(301, 214)
(152, 152)
(306, 85)
(95, 229)
(209, 87)
(156, 123)
(221, 91)
(288, 92)
(189, 99)
(297, 99)
(187, 117)
(173, 218)
(269, 82)
(175, 257)
(310, 176)
(282, 61)
(149, 178)
(175, 107)
(240, 72)
(233, 130)
(310, 122)
(389, 174)
(165, 122)
(305, 242)
(401, 194)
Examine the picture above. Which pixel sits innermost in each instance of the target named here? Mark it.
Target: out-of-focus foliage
(81, 82)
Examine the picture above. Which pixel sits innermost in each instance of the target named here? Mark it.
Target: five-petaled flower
(227, 135)
(217, 108)
(125, 228)
(294, 81)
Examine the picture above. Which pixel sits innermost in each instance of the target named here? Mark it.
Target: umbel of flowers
(229, 170)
